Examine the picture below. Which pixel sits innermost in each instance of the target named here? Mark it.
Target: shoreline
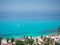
(27, 36)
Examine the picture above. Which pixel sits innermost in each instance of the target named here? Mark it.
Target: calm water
(29, 17)
(17, 24)
(14, 28)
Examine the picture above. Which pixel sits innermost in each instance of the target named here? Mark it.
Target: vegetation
(59, 30)
(18, 42)
(28, 41)
(31, 41)
(0, 39)
(41, 37)
(12, 40)
(7, 39)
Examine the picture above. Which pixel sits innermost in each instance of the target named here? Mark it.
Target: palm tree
(18, 42)
(31, 41)
(26, 40)
(0, 39)
(59, 30)
(37, 41)
(41, 37)
(49, 41)
(12, 40)
(7, 39)
(24, 37)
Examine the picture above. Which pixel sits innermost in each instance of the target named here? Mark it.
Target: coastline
(19, 36)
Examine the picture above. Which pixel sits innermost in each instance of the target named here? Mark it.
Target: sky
(30, 9)
(29, 5)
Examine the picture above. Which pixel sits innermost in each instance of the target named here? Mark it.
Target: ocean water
(28, 23)
(18, 28)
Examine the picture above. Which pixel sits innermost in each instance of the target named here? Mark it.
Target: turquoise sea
(18, 24)
(19, 28)
(29, 17)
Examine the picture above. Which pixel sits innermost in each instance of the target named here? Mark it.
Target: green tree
(7, 39)
(26, 41)
(41, 37)
(37, 41)
(58, 30)
(31, 41)
(12, 40)
(18, 42)
(0, 39)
